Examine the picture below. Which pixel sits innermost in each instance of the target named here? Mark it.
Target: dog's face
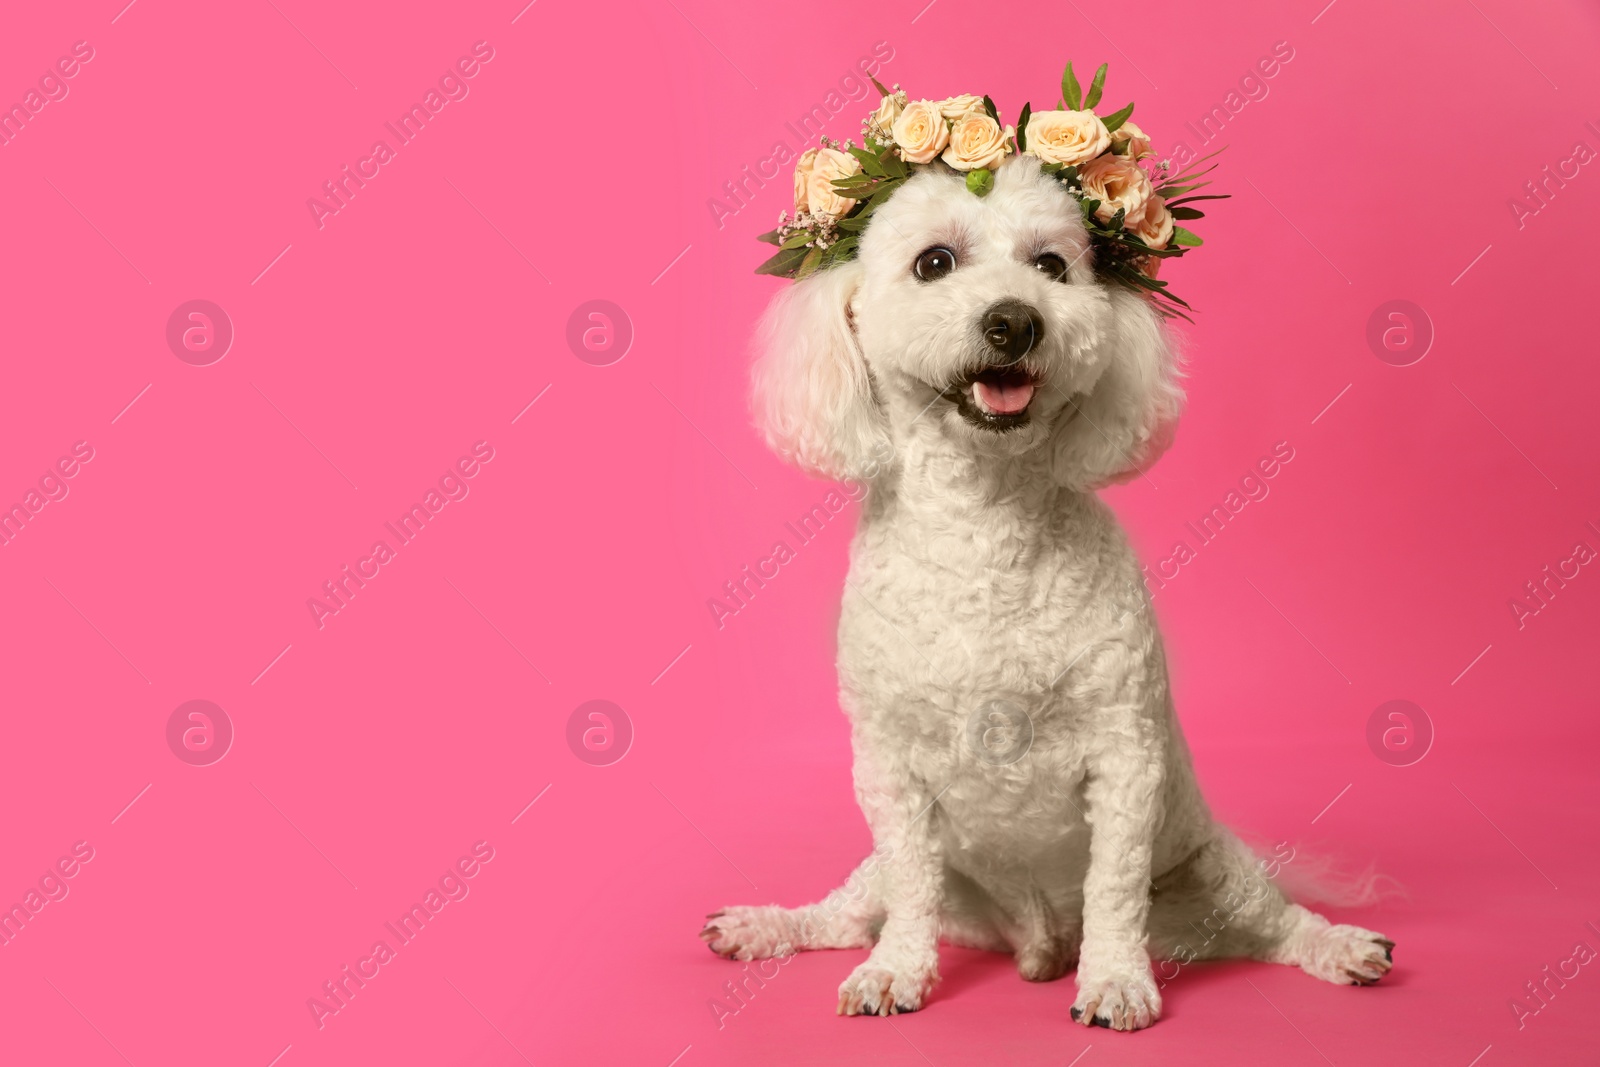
(985, 308)
(980, 316)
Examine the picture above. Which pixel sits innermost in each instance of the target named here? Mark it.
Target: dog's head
(981, 316)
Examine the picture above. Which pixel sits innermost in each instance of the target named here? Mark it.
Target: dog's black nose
(1012, 328)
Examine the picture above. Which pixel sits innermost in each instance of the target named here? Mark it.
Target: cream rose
(921, 132)
(1137, 141)
(957, 106)
(1119, 184)
(882, 120)
(814, 175)
(977, 142)
(1154, 226)
(1066, 136)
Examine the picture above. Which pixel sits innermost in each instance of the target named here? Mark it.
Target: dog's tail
(1311, 877)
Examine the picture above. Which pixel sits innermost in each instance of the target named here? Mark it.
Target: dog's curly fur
(986, 570)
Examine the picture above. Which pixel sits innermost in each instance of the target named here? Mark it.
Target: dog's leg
(842, 919)
(904, 965)
(1115, 986)
(1220, 903)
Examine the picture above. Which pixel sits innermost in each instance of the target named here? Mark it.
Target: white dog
(1016, 752)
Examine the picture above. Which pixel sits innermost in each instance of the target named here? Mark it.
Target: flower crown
(1131, 201)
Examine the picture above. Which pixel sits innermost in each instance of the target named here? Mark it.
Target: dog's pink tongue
(1004, 398)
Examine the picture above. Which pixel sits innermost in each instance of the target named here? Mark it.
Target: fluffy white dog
(1016, 752)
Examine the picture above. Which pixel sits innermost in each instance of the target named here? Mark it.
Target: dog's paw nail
(1388, 953)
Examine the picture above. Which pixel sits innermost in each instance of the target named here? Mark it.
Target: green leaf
(988, 105)
(1187, 213)
(1187, 199)
(1115, 120)
(878, 85)
(1022, 127)
(784, 264)
(798, 239)
(893, 165)
(1181, 236)
(855, 223)
(809, 264)
(844, 248)
(1095, 86)
(771, 237)
(1071, 91)
(980, 182)
(869, 162)
(861, 191)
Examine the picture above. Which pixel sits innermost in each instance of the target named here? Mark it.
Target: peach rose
(921, 132)
(1154, 226)
(814, 175)
(1119, 184)
(1136, 140)
(977, 142)
(1066, 136)
(881, 122)
(957, 106)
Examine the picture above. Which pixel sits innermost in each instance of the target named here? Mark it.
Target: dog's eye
(934, 264)
(1051, 264)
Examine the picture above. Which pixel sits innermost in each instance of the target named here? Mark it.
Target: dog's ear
(813, 394)
(1128, 419)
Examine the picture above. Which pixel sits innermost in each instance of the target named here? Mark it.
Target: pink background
(426, 714)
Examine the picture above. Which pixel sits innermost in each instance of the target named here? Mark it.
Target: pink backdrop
(372, 348)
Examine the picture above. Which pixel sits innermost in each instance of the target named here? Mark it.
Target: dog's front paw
(876, 988)
(1122, 996)
(749, 933)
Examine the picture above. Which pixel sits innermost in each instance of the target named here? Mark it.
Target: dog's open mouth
(995, 398)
